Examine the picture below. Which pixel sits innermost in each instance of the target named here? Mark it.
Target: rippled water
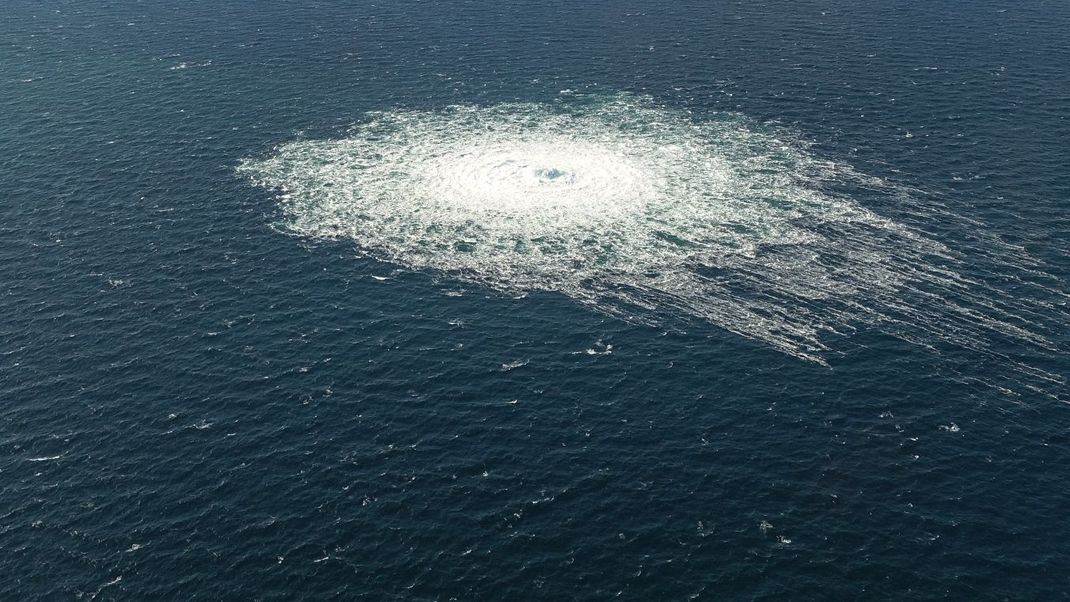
(501, 301)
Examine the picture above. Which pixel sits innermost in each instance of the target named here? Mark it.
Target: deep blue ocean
(198, 402)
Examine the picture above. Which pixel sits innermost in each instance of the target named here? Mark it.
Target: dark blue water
(195, 405)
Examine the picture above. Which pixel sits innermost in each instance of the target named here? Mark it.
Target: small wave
(514, 365)
(185, 65)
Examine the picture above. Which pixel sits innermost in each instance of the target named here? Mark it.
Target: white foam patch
(640, 211)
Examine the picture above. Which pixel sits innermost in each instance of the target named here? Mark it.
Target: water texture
(493, 300)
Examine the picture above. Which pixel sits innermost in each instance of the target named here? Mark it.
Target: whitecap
(506, 367)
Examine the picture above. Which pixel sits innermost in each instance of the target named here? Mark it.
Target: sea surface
(499, 300)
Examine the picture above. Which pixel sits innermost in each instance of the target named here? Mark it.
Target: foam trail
(644, 212)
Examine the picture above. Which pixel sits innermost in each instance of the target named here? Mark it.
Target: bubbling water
(498, 175)
(642, 212)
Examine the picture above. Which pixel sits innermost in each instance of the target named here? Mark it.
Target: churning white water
(640, 211)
